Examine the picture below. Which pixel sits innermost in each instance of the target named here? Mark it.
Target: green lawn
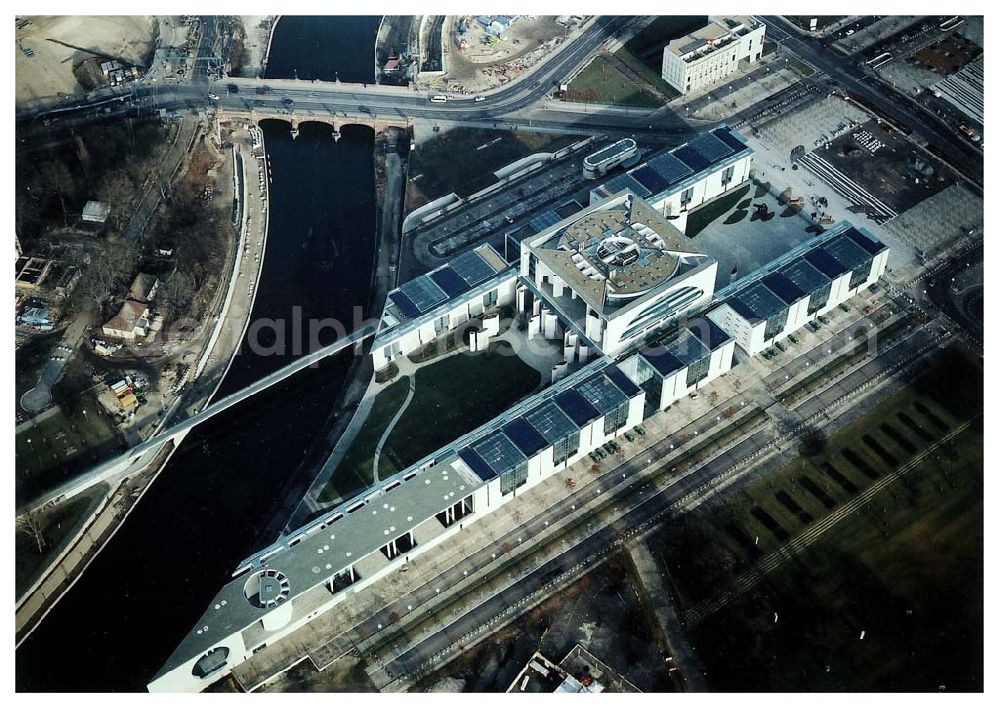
(802, 68)
(908, 572)
(648, 73)
(453, 396)
(354, 472)
(603, 83)
(61, 446)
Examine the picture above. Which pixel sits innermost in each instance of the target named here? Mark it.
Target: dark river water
(211, 505)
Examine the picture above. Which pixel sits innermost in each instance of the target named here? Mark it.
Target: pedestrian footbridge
(138, 457)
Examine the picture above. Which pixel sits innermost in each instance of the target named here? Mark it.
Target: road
(513, 105)
(640, 503)
(335, 96)
(885, 101)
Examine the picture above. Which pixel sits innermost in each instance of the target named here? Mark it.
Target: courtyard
(742, 237)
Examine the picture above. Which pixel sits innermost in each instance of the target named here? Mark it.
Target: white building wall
(701, 72)
(749, 336)
(708, 188)
(613, 341)
(798, 316)
(426, 332)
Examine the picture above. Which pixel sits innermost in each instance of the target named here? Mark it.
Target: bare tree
(176, 295)
(31, 523)
(118, 191)
(56, 176)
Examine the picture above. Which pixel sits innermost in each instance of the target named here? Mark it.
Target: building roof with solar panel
(681, 167)
(428, 295)
(616, 251)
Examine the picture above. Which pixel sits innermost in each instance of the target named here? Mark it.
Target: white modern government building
(634, 307)
(708, 55)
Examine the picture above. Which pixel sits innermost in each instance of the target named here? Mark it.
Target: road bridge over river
(138, 457)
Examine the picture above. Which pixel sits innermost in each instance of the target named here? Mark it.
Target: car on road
(213, 97)
(287, 102)
(438, 99)
(232, 89)
(480, 98)
(261, 90)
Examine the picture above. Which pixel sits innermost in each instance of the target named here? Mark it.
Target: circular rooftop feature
(618, 251)
(267, 588)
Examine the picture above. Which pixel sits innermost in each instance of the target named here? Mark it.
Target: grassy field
(59, 522)
(603, 83)
(354, 472)
(649, 73)
(802, 68)
(55, 449)
(453, 396)
(462, 160)
(906, 569)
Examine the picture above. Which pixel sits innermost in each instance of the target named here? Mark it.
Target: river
(211, 505)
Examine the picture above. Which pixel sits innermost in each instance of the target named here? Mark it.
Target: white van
(438, 99)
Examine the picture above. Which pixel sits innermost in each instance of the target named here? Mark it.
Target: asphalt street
(640, 506)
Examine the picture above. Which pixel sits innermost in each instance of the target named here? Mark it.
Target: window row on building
(785, 299)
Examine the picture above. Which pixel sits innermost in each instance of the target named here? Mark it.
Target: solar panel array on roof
(686, 348)
(601, 393)
(670, 168)
(663, 361)
(522, 434)
(450, 281)
(650, 179)
(498, 452)
(579, 410)
(761, 301)
(869, 244)
(726, 136)
(622, 381)
(706, 331)
(737, 305)
(476, 463)
(693, 158)
(710, 147)
(408, 308)
(546, 219)
(692, 46)
(471, 267)
(626, 181)
(551, 422)
(424, 293)
(784, 287)
(825, 262)
(847, 252)
(805, 276)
